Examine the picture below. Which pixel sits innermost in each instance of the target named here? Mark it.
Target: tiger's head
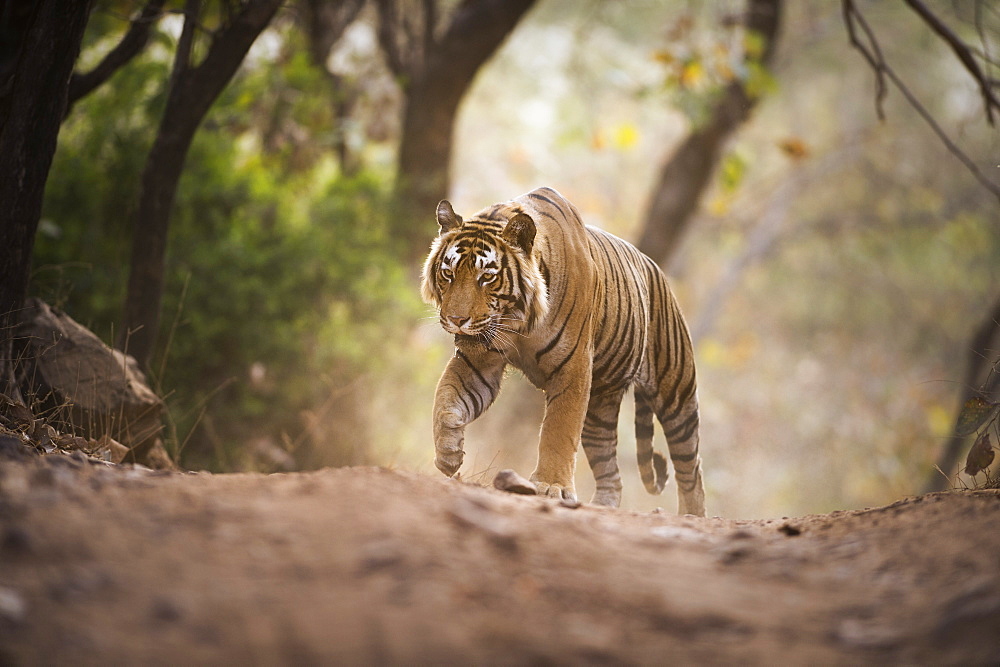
(482, 278)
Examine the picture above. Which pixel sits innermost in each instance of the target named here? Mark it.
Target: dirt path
(366, 566)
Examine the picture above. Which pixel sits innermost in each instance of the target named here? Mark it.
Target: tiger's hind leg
(679, 419)
(652, 464)
(600, 443)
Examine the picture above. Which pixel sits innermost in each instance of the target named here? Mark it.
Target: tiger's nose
(458, 321)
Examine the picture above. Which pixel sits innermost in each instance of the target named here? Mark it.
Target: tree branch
(182, 57)
(325, 24)
(132, 44)
(873, 55)
(387, 38)
(962, 51)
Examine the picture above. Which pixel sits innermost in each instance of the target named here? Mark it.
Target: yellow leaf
(626, 136)
(692, 74)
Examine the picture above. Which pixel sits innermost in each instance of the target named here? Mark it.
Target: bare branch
(963, 53)
(942, 135)
(131, 45)
(873, 54)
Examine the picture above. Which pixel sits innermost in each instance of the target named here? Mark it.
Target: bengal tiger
(584, 315)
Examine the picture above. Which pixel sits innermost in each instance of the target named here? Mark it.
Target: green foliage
(283, 284)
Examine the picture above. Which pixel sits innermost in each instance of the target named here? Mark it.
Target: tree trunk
(35, 68)
(424, 170)
(192, 92)
(160, 178)
(433, 96)
(686, 175)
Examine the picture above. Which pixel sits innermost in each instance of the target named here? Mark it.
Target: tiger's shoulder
(551, 207)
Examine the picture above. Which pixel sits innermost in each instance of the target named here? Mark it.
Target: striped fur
(585, 316)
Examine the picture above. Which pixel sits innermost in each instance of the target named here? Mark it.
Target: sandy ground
(120, 565)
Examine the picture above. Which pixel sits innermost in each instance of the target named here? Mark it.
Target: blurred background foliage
(832, 276)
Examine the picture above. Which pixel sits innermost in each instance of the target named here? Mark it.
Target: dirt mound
(106, 564)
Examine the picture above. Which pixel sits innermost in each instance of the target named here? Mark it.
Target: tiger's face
(470, 282)
(482, 279)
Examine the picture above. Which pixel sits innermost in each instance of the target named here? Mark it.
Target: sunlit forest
(834, 270)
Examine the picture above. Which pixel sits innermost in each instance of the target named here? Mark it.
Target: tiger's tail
(652, 464)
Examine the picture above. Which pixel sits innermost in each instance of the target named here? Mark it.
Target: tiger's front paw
(449, 462)
(449, 446)
(558, 491)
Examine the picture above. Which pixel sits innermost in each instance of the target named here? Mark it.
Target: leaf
(980, 456)
(664, 56)
(975, 413)
(731, 171)
(794, 147)
(759, 80)
(626, 136)
(692, 74)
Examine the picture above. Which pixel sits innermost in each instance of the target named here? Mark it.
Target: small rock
(379, 555)
(15, 540)
(12, 605)
(13, 448)
(43, 477)
(861, 633)
(740, 534)
(166, 610)
(730, 554)
(470, 514)
(511, 482)
(790, 530)
(108, 449)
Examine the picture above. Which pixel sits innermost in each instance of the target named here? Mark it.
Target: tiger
(584, 316)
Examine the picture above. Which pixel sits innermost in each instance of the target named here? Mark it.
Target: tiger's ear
(520, 232)
(446, 216)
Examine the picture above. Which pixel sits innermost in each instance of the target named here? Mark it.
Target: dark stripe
(601, 423)
(535, 195)
(643, 431)
(472, 396)
(460, 355)
(544, 269)
(551, 344)
(681, 426)
(563, 362)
